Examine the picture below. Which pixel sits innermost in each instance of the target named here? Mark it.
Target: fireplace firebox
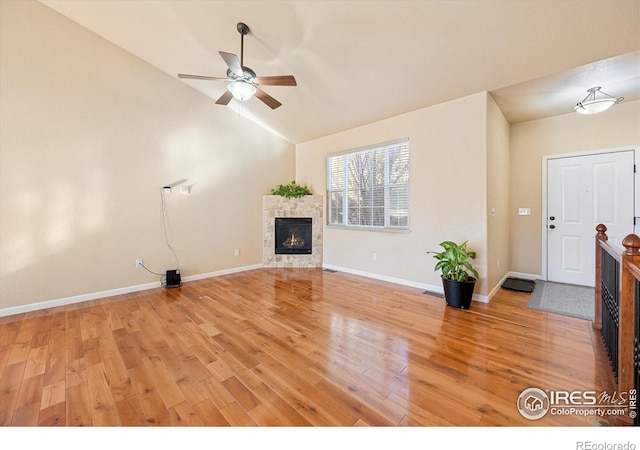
(293, 235)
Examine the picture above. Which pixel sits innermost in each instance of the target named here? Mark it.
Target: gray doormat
(518, 284)
(566, 299)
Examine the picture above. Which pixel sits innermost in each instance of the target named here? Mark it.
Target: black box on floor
(518, 284)
(173, 279)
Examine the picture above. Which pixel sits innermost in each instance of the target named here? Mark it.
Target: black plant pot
(458, 294)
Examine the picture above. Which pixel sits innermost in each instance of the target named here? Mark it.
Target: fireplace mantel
(277, 206)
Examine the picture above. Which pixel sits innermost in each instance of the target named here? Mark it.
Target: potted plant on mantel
(291, 190)
(458, 275)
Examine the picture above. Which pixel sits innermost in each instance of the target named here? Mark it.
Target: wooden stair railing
(617, 300)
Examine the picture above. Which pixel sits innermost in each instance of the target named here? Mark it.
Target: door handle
(552, 218)
(552, 226)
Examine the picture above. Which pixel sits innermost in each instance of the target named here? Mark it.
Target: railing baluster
(629, 275)
(606, 300)
(617, 304)
(601, 236)
(636, 344)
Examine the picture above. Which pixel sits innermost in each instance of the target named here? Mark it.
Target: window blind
(369, 187)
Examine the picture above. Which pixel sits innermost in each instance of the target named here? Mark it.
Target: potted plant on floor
(458, 275)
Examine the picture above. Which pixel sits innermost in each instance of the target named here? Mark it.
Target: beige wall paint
(448, 193)
(569, 133)
(89, 135)
(498, 219)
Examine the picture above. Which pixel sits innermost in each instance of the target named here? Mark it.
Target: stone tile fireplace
(291, 251)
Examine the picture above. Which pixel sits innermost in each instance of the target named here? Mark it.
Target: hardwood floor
(289, 347)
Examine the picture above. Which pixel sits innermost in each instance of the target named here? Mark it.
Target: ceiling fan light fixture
(241, 90)
(593, 105)
(242, 82)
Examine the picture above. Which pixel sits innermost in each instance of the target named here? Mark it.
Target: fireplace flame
(293, 242)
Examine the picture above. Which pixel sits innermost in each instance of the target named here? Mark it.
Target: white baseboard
(525, 276)
(113, 292)
(496, 288)
(432, 288)
(401, 281)
(203, 276)
(142, 287)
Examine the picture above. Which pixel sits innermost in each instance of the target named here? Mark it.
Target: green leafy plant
(454, 261)
(291, 190)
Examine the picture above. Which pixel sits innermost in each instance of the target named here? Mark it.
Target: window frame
(344, 189)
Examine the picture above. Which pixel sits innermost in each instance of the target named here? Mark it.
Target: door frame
(636, 191)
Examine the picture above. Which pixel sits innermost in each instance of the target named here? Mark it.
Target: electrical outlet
(237, 252)
(374, 257)
(139, 262)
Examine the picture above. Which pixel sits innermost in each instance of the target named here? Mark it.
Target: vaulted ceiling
(358, 62)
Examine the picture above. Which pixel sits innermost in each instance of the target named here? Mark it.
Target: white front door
(582, 192)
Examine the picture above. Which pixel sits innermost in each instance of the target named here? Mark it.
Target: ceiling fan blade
(267, 99)
(277, 80)
(198, 77)
(233, 62)
(224, 98)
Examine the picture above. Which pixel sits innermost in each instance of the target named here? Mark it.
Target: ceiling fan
(242, 82)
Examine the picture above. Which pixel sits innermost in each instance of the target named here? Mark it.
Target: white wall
(448, 191)
(89, 135)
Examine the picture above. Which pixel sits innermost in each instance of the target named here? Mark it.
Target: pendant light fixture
(593, 105)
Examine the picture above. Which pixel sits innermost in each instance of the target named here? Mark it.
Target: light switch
(524, 211)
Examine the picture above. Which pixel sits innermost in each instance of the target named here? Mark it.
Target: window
(370, 187)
